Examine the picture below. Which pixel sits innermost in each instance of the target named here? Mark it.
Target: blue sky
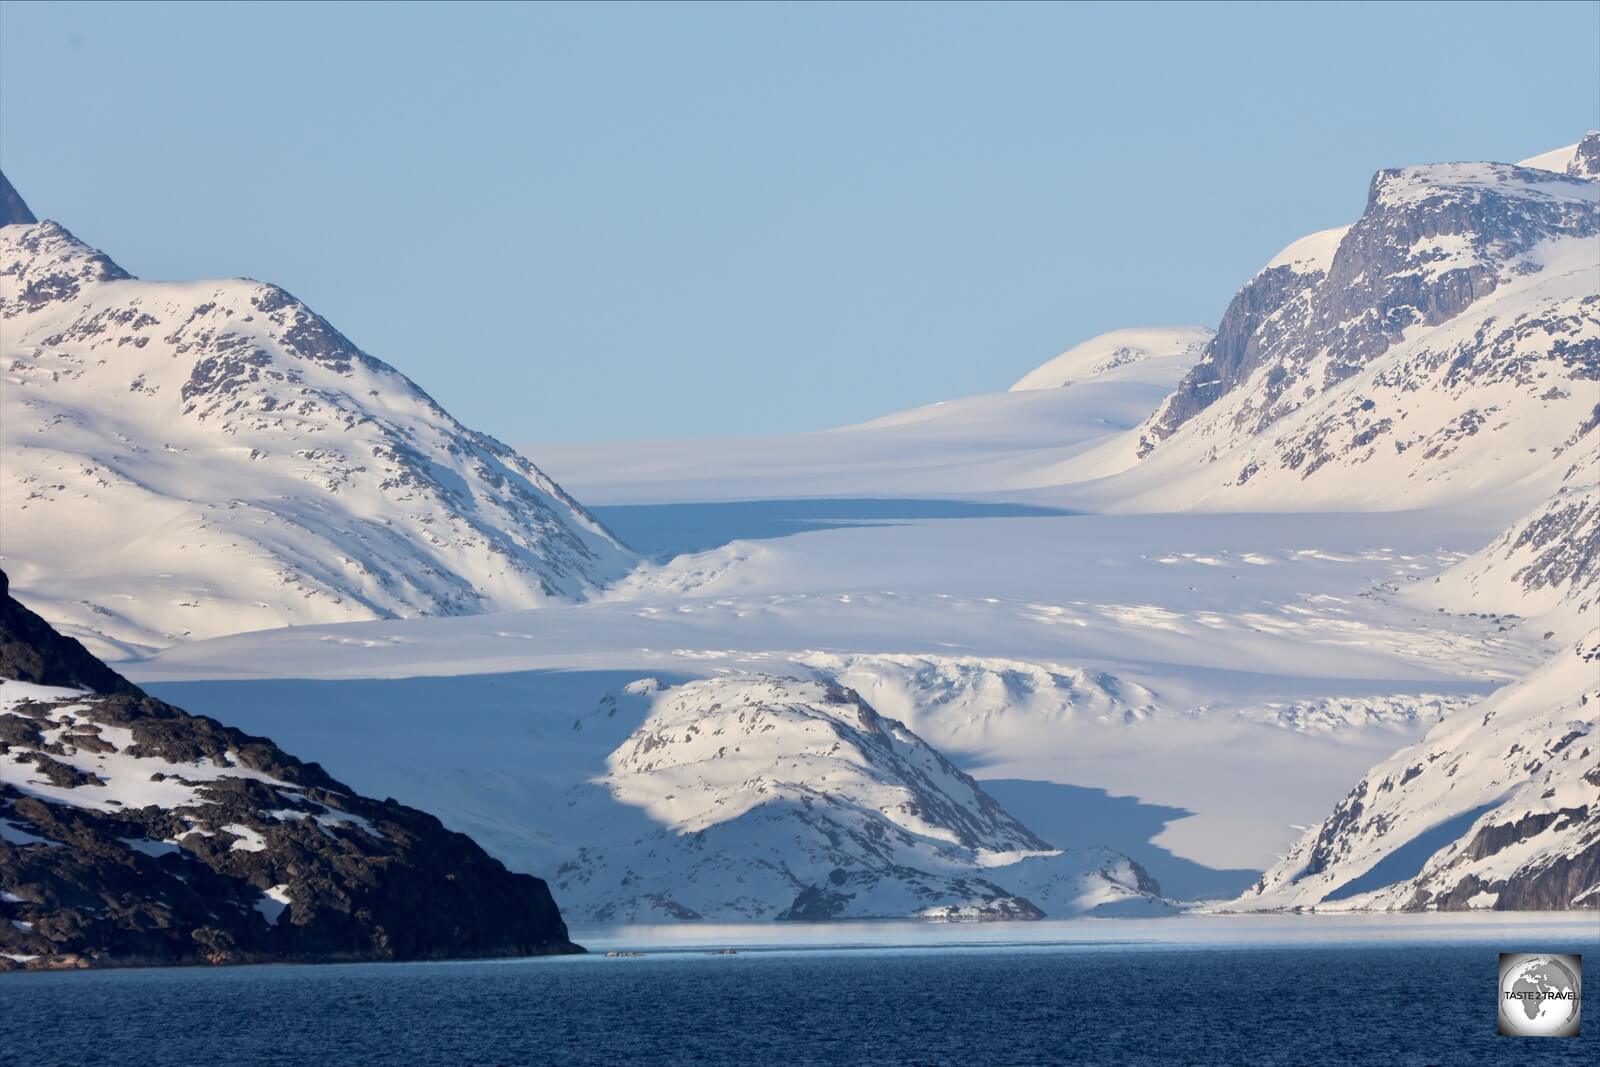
(586, 223)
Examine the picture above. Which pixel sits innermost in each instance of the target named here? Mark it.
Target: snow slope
(1495, 808)
(1161, 352)
(1546, 565)
(188, 459)
(977, 446)
(1557, 159)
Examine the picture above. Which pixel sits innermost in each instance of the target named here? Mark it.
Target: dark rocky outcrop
(1547, 883)
(32, 651)
(1586, 161)
(135, 834)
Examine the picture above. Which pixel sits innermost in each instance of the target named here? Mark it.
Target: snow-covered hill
(1155, 351)
(779, 797)
(189, 459)
(1387, 364)
(1495, 808)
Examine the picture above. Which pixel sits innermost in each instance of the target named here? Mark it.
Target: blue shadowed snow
(662, 531)
(1072, 816)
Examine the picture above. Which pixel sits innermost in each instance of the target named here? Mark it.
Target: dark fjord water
(1016, 1004)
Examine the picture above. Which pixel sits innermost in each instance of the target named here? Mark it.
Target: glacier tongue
(191, 459)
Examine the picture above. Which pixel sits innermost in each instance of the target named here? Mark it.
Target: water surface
(1286, 991)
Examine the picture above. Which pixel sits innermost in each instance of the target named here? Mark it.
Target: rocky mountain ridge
(1378, 365)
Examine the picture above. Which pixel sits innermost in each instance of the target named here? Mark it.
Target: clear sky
(593, 222)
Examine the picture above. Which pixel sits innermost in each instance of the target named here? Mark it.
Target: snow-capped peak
(191, 459)
(1461, 300)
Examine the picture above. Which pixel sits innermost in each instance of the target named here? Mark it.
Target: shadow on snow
(1072, 816)
(661, 531)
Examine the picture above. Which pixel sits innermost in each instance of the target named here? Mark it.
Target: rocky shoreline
(135, 834)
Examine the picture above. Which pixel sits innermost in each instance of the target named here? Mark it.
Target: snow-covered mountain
(188, 459)
(1495, 808)
(1157, 350)
(780, 797)
(1444, 348)
(1386, 364)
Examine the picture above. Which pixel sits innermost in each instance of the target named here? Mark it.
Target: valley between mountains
(1295, 610)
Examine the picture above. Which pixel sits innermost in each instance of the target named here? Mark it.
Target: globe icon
(1539, 997)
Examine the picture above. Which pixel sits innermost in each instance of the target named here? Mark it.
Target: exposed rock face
(1586, 162)
(12, 207)
(292, 477)
(1432, 241)
(1498, 807)
(30, 651)
(132, 834)
(1383, 364)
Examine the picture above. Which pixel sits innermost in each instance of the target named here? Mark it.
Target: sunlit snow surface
(1243, 669)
